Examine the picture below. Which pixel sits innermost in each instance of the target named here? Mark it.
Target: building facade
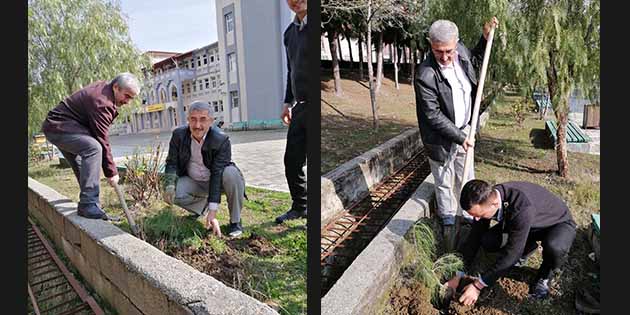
(250, 35)
(173, 83)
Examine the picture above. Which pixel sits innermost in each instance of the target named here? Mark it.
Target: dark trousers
(556, 241)
(295, 156)
(84, 154)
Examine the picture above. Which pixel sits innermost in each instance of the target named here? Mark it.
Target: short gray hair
(128, 81)
(443, 31)
(200, 105)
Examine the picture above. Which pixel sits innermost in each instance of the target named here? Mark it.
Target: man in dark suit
(445, 87)
(295, 109)
(526, 213)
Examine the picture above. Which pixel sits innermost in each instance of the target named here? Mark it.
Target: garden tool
(121, 197)
(471, 135)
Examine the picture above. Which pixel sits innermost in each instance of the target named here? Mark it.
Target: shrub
(142, 176)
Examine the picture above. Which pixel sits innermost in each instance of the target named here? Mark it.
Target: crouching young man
(526, 213)
(199, 168)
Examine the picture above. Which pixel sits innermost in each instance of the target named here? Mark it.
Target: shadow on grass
(540, 139)
(507, 153)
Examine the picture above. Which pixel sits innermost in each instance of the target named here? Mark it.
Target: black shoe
(541, 290)
(291, 215)
(91, 211)
(235, 229)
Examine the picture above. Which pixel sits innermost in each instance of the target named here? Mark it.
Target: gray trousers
(192, 195)
(84, 154)
(448, 182)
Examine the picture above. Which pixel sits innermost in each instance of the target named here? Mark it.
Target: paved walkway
(259, 154)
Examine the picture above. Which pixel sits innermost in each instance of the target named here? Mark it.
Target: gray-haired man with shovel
(79, 127)
(444, 85)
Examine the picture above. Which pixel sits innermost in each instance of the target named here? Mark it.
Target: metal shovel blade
(121, 197)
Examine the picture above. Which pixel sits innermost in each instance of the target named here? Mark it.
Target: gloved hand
(169, 194)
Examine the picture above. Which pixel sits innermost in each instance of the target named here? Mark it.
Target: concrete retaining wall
(133, 276)
(352, 180)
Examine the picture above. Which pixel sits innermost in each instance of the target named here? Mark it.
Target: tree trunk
(332, 35)
(412, 64)
(395, 59)
(561, 149)
(379, 62)
(360, 57)
(371, 68)
(350, 50)
(559, 98)
(339, 47)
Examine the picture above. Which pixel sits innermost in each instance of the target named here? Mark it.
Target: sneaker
(291, 215)
(91, 211)
(541, 290)
(235, 229)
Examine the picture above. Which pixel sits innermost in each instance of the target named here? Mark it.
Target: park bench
(594, 235)
(574, 132)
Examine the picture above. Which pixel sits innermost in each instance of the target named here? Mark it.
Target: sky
(174, 25)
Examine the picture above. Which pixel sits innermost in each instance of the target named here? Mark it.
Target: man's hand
(286, 115)
(113, 180)
(470, 295)
(213, 223)
(454, 283)
(468, 144)
(169, 194)
(493, 23)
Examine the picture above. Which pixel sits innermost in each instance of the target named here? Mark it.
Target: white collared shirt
(196, 169)
(461, 88)
(297, 22)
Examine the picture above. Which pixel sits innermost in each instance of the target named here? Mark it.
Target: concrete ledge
(132, 275)
(373, 271)
(352, 180)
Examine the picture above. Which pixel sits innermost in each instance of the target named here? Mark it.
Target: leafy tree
(71, 44)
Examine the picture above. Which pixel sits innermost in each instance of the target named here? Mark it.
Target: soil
(227, 267)
(255, 244)
(411, 298)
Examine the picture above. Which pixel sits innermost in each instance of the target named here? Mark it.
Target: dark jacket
(216, 151)
(89, 111)
(434, 100)
(525, 206)
(296, 46)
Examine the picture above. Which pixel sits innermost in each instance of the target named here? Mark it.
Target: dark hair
(475, 192)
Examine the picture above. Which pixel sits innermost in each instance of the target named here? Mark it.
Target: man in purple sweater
(79, 127)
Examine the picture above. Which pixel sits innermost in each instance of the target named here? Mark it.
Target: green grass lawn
(267, 262)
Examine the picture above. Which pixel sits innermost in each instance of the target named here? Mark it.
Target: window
(205, 59)
(234, 97)
(216, 106)
(188, 87)
(214, 82)
(199, 61)
(211, 58)
(229, 22)
(231, 62)
(221, 105)
(201, 85)
(194, 84)
(192, 63)
(207, 83)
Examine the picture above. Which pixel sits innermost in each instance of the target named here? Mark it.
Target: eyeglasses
(449, 52)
